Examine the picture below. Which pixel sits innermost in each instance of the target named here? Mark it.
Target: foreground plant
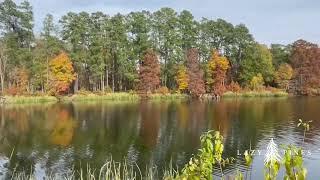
(306, 127)
(293, 162)
(272, 161)
(210, 154)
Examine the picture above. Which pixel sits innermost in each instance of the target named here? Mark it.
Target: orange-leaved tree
(217, 72)
(182, 78)
(62, 73)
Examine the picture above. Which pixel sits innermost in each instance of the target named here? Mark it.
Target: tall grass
(29, 99)
(168, 96)
(121, 96)
(111, 170)
(249, 94)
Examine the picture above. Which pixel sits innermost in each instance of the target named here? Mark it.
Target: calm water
(58, 137)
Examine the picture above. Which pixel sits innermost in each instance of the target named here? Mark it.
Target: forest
(161, 51)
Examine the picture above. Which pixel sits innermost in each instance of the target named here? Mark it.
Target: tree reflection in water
(59, 137)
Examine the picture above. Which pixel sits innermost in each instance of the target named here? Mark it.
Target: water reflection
(58, 137)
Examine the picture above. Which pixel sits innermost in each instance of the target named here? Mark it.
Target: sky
(269, 21)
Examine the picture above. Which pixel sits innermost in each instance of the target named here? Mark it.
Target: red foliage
(196, 84)
(305, 59)
(149, 74)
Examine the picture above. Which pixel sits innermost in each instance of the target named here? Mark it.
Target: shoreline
(124, 96)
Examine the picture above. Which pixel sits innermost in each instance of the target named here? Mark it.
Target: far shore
(125, 96)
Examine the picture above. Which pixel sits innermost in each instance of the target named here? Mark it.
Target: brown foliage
(305, 59)
(20, 81)
(12, 91)
(196, 84)
(149, 74)
(234, 87)
(163, 90)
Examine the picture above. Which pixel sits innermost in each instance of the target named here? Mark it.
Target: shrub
(12, 91)
(83, 92)
(163, 90)
(108, 90)
(234, 87)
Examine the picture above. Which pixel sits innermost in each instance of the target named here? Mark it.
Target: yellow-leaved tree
(182, 78)
(61, 73)
(257, 82)
(217, 68)
(283, 75)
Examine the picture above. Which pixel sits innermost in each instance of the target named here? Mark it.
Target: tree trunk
(76, 84)
(102, 82)
(47, 72)
(107, 72)
(113, 82)
(2, 82)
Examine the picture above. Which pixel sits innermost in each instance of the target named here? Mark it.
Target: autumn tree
(257, 82)
(196, 84)
(217, 72)
(62, 73)
(149, 72)
(21, 79)
(182, 78)
(283, 75)
(306, 63)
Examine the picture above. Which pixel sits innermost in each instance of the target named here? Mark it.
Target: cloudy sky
(270, 21)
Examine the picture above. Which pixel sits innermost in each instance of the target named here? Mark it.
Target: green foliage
(271, 170)
(304, 124)
(166, 41)
(257, 60)
(293, 162)
(280, 54)
(210, 154)
(248, 158)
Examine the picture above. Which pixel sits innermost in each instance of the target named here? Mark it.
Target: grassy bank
(250, 94)
(168, 96)
(29, 99)
(124, 96)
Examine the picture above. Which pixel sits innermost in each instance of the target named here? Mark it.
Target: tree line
(145, 51)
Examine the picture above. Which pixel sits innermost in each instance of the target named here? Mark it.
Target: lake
(55, 138)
